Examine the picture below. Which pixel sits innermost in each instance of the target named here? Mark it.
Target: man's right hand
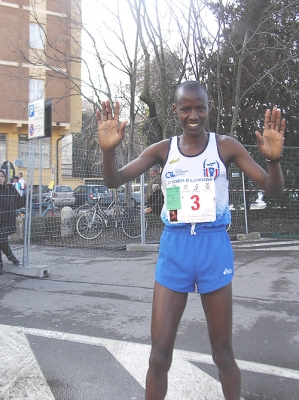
(110, 131)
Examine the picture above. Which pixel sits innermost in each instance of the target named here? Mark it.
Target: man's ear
(174, 108)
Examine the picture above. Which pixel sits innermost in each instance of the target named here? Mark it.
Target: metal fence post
(27, 228)
(142, 220)
(244, 202)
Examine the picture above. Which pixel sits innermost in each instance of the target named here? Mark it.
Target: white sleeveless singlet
(195, 186)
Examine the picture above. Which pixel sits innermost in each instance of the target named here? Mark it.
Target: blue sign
(31, 110)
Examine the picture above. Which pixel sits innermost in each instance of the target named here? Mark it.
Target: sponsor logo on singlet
(174, 161)
(175, 173)
(211, 168)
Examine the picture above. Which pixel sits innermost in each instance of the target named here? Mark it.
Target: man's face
(192, 108)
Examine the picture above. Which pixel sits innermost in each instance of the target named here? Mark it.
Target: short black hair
(188, 85)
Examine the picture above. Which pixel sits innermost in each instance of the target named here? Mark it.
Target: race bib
(191, 200)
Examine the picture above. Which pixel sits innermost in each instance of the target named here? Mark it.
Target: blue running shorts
(203, 262)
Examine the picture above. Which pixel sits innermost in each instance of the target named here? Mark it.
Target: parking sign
(36, 119)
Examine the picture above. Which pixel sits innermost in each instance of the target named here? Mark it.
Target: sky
(100, 22)
(95, 18)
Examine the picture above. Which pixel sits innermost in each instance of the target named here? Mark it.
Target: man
(17, 184)
(155, 179)
(22, 183)
(155, 201)
(195, 251)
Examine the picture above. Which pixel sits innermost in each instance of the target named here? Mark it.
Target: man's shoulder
(162, 144)
(227, 140)
(159, 151)
(229, 147)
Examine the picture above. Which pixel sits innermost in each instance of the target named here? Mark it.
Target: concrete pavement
(85, 328)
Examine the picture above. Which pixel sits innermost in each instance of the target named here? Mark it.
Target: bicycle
(92, 221)
(50, 211)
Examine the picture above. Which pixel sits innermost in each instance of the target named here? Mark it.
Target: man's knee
(160, 361)
(223, 357)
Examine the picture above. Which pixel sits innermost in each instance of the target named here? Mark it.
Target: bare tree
(235, 55)
(259, 48)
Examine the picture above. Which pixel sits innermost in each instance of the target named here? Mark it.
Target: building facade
(40, 54)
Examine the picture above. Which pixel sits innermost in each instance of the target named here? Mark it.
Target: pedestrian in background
(22, 183)
(10, 201)
(17, 184)
(155, 179)
(155, 201)
(195, 252)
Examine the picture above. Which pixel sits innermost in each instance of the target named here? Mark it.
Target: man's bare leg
(218, 309)
(168, 307)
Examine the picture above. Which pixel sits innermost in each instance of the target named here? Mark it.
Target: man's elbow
(111, 182)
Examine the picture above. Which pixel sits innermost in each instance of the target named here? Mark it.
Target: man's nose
(193, 114)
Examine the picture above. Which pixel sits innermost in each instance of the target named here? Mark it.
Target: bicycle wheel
(131, 224)
(52, 211)
(89, 226)
(82, 209)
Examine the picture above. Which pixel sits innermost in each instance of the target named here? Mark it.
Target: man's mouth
(193, 125)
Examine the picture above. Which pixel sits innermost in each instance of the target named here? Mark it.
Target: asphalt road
(83, 332)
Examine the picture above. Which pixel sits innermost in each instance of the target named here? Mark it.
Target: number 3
(196, 205)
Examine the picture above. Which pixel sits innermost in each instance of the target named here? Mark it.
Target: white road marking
(262, 243)
(186, 381)
(184, 378)
(291, 248)
(20, 374)
(265, 246)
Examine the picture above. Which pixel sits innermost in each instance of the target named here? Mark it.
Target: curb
(155, 247)
(142, 247)
(249, 236)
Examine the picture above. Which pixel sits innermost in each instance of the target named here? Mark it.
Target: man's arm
(110, 134)
(270, 145)
(272, 182)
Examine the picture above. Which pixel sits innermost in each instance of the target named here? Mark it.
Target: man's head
(20, 174)
(191, 86)
(16, 179)
(154, 170)
(191, 106)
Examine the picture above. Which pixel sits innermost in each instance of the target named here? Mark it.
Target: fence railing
(251, 209)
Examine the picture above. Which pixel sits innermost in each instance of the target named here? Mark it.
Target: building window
(2, 148)
(67, 156)
(36, 89)
(37, 36)
(23, 152)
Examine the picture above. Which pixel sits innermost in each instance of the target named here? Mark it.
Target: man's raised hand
(110, 131)
(270, 143)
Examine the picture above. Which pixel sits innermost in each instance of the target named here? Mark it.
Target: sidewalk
(91, 266)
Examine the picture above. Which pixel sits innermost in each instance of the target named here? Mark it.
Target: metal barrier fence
(251, 210)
